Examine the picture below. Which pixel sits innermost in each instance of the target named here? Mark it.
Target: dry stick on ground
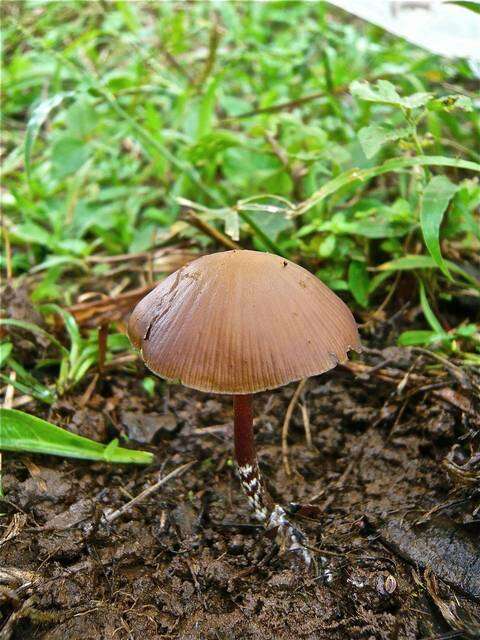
(394, 376)
(306, 425)
(212, 232)
(286, 424)
(110, 517)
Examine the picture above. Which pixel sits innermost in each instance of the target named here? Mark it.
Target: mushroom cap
(240, 322)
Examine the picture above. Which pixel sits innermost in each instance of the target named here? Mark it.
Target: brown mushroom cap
(242, 322)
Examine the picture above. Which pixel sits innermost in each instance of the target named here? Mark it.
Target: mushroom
(238, 323)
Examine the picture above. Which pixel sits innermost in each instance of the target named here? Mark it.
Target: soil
(392, 469)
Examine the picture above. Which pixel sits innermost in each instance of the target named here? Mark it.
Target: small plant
(72, 363)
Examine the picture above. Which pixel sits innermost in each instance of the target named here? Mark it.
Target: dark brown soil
(392, 469)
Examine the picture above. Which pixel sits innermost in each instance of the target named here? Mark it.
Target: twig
(102, 345)
(212, 232)
(110, 517)
(286, 424)
(306, 425)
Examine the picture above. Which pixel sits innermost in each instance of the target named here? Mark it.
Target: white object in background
(445, 29)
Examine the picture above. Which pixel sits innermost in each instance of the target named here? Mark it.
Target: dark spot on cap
(285, 263)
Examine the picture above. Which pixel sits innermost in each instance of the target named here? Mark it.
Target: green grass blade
(5, 351)
(438, 193)
(412, 262)
(33, 328)
(20, 431)
(41, 394)
(428, 312)
(76, 341)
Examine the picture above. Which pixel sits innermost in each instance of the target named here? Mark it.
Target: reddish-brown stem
(246, 458)
(243, 430)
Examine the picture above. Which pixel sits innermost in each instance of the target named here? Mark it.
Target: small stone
(390, 584)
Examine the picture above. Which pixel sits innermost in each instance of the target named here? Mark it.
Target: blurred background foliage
(287, 126)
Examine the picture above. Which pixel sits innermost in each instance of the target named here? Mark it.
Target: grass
(286, 125)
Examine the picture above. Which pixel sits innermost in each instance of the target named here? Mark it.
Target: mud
(396, 534)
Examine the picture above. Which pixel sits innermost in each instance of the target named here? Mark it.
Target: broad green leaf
(384, 92)
(32, 233)
(373, 228)
(451, 102)
(81, 118)
(68, 155)
(410, 338)
(38, 117)
(358, 282)
(436, 197)
(327, 246)
(373, 137)
(21, 431)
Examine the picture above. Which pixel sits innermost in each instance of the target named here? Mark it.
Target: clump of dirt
(391, 469)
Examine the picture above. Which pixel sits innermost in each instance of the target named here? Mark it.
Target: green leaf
(5, 351)
(68, 155)
(467, 4)
(206, 110)
(81, 118)
(38, 117)
(358, 282)
(410, 338)
(32, 233)
(373, 137)
(384, 92)
(23, 432)
(436, 197)
(327, 246)
(410, 262)
(451, 102)
(428, 312)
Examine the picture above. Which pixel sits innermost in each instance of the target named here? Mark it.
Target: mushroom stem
(274, 516)
(246, 457)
